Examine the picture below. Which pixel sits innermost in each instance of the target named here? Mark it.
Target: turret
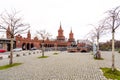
(71, 38)
(8, 33)
(60, 36)
(29, 35)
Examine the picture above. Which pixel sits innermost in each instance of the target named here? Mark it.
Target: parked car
(2, 50)
(17, 49)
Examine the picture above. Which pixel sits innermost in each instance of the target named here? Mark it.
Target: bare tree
(96, 33)
(91, 38)
(113, 22)
(16, 26)
(44, 35)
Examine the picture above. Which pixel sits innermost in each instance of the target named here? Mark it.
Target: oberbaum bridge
(58, 44)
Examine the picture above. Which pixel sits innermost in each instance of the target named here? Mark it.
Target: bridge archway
(40, 45)
(28, 46)
(24, 46)
(83, 50)
(32, 45)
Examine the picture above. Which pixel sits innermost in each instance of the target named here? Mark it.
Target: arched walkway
(24, 46)
(32, 45)
(40, 45)
(28, 46)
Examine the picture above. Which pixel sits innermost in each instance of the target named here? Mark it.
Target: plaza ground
(64, 66)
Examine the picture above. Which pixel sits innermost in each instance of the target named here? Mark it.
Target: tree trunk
(11, 52)
(98, 55)
(97, 44)
(113, 48)
(42, 49)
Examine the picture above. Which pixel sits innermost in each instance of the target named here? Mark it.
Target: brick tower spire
(71, 38)
(29, 35)
(60, 36)
(8, 33)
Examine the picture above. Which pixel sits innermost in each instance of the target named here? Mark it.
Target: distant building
(28, 43)
(5, 44)
(60, 43)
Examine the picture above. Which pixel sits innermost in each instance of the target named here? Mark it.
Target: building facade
(28, 43)
(5, 44)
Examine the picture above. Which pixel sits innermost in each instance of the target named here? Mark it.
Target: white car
(17, 49)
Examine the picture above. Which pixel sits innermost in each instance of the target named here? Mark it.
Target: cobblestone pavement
(64, 66)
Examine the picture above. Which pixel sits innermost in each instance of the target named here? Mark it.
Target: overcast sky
(75, 14)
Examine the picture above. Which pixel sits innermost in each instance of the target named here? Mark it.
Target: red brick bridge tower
(60, 36)
(7, 33)
(71, 37)
(60, 41)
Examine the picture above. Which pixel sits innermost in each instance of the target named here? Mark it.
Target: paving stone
(64, 66)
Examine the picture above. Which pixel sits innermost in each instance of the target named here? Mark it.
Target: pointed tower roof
(60, 27)
(8, 32)
(71, 31)
(47, 39)
(8, 28)
(28, 31)
(29, 34)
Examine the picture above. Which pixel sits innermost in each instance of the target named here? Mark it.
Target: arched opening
(52, 45)
(8, 47)
(48, 45)
(40, 45)
(28, 46)
(83, 51)
(32, 45)
(45, 45)
(24, 46)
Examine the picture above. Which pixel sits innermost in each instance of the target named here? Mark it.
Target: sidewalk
(64, 66)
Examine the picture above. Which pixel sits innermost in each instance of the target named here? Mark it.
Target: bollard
(33, 52)
(8, 56)
(40, 51)
(29, 53)
(24, 54)
(17, 55)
